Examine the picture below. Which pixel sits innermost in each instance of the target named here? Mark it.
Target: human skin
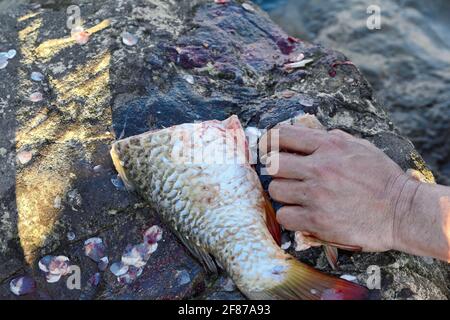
(343, 189)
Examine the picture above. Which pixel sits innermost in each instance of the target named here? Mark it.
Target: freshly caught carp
(198, 177)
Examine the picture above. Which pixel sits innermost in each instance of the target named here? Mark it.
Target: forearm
(344, 190)
(422, 223)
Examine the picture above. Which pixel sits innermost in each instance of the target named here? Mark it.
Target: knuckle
(319, 135)
(301, 191)
(336, 132)
(309, 188)
(282, 217)
(320, 170)
(314, 220)
(282, 212)
(319, 220)
(273, 188)
(283, 129)
(314, 168)
(341, 134)
(313, 190)
(328, 168)
(323, 221)
(336, 141)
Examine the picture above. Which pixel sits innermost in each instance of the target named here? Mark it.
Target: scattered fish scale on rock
(70, 236)
(37, 76)
(131, 275)
(248, 7)
(24, 156)
(118, 268)
(5, 56)
(95, 249)
(80, 35)
(22, 285)
(129, 39)
(189, 78)
(11, 53)
(153, 235)
(59, 265)
(134, 258)
(138, 255)
(36, 97)
(3, 62)
(54, 267)
(183, 277)
(103, 264)
(95, 279)
(44, 263)
(118, 183)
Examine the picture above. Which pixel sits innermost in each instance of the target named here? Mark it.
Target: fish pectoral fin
(331, 253)
(204, 257)
(346, 247)
(271, 220)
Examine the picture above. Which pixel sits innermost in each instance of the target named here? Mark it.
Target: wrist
(404, 210)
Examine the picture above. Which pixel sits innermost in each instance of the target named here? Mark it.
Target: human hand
(338, 188)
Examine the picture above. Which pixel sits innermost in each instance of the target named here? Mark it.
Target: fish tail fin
(305, 283)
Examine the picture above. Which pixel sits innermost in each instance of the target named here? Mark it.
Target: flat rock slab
(194, 60)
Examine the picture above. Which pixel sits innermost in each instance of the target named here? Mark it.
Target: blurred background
(407, 61)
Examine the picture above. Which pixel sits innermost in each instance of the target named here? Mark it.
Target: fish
(200, 179)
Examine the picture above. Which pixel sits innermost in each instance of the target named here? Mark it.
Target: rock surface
(194, 60)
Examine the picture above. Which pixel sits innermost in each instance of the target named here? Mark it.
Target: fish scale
(216, 209)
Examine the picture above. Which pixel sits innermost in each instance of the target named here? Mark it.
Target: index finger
(296, 139)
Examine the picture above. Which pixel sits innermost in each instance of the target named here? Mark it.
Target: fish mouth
(119, 165)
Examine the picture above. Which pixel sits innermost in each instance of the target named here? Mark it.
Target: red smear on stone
(193, 57)
(153, 235)
(294, 40)
(286, 47)
(340, 63)
(332, 72)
